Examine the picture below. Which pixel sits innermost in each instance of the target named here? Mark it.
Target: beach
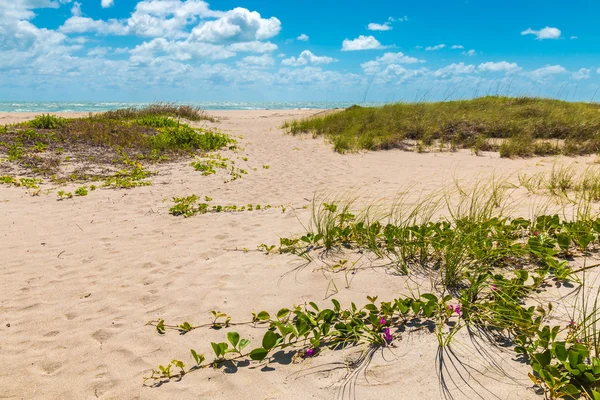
(80, 278)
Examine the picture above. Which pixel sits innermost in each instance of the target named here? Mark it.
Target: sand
(80, 278)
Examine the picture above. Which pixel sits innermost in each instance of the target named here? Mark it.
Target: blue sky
(260, 50)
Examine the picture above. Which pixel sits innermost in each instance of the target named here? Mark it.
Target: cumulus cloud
(545, 33)
(457, 46)
(502, 66)
(303, 38)
(375, 66)
(583, 73)
(573, 37)
(305, 58)
(78, 24)
(253, 47)
(386, 26)
(106, 3)
(257, 61)
(361, 43)
(76, 9)
(547, 71)
(454, 69)
(238, 25)
(469, 53)
(435, 48)
(379, 27)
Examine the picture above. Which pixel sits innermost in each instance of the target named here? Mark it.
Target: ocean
(54, 106)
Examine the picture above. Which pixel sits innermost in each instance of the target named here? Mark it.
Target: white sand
(81, 277)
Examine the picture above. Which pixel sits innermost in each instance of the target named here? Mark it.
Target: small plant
(81, 191)
(47, 121)
(64, 195)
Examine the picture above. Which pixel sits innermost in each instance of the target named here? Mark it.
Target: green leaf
(270, 339)
(199, 358)
(430, 297)
(564, 241)
(259, 354)
(561, 351)
(263, 316)
(216, 349)
(336, 304)
(283, 313)
(244, 343)
(570, 390)
(543, 358)
(233, 338)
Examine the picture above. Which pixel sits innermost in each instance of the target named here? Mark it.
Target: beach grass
(514, 126)
(118, 139)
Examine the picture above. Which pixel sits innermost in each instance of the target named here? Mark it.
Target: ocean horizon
(56, 106)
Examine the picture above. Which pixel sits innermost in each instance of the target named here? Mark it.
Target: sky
(273, 50)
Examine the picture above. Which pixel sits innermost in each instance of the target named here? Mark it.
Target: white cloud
(469, 53)
(545, 33)
(361, 43)
(454, 69)
(303, 38)
(254, 47)
(583, 73)
(257, 61)
(502, 66)
(374, 66)
(160, 49)
(386, 26)
(305, 58)
(107, 3)
(573, 37)
(379, 27)
(457, 46)
(436, 47)
(77, 24)
(76, 9)
(237, 25)
(547, 71)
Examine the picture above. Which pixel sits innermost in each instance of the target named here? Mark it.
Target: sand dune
(81, 277)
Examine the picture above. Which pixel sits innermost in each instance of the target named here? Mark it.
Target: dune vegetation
(488, 271)
(114, 145)
(513, 126)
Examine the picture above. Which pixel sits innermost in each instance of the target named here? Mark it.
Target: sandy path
(80, 278)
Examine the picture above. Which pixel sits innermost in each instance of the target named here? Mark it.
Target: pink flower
(387, 335)
(536, 233)
(310, 352)
(450, 307)
(382, 321)
(457, 309)
(494, 287)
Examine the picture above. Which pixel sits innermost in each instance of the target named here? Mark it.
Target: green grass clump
(165, 109)
(109, 141)
(527, 124)
(47, 121)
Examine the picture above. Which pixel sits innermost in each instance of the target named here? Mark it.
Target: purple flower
(450, 307)
(387, 335)
(536, 233)
(572, 324)
(457, 309)
(382, 321)
(310, 352)
(494, 287)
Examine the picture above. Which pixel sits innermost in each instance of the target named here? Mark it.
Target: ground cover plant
(513, 126)
(115, 146)
(191, 205)
(487, 271)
